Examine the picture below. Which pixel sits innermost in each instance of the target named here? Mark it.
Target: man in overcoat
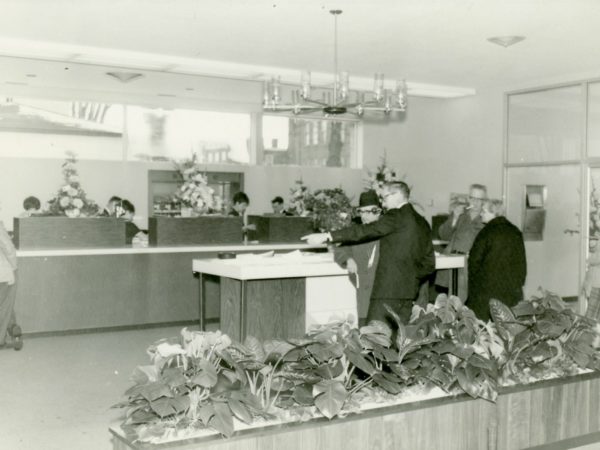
(406, 252)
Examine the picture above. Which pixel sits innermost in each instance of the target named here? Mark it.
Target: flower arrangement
(298, 196)
(330, 208)
(71, 200)
(205, 380)
(383, 174)
(194, 192)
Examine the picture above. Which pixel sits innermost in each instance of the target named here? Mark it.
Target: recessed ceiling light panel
(125, 77)
(506, 41)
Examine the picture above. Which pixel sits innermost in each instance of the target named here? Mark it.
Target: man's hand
(315, 238)
(351, 266)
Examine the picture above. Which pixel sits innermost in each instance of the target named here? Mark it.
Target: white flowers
(195, 192)
(78, 203)
(65, 201)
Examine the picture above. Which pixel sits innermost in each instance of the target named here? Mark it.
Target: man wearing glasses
(460, 231)
(406, 252)
(361, 259)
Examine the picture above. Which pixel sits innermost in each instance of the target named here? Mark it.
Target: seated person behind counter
(31, 207)
(278, 208)
(125, 210)
(110, 208)
(240, 202)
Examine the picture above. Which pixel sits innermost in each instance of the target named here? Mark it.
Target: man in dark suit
(406, 252)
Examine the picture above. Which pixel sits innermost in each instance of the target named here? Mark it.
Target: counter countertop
(258, 247)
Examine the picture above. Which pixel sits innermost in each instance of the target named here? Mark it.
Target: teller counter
(90, 289)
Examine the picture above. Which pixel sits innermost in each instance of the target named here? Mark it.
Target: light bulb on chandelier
(337, 102)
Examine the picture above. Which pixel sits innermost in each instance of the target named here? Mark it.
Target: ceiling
(438, 46)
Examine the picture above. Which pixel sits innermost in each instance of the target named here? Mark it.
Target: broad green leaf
(163, 407)
(330, 370)
(390, 386)
(256, 348)
(144, 374)
(377, 327)
(361, 362)
(239, 410)
(329, 397)
(155, 390)
(479, 361)
(207, 375)
(173, 377)
(279, 384)
(141, 416)
(205, 413)
(222, 421)
(303, 394)
(277, 348)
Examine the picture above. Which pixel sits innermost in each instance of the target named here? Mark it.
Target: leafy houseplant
(204, 380)
(194, 193)
(71, 200)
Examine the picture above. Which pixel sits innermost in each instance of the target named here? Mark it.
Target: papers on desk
(270, 258)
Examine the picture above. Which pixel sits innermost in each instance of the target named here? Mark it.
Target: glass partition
(546, 125)
(552, 262)
(309, 142)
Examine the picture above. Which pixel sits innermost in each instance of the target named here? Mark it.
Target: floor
(58, 391)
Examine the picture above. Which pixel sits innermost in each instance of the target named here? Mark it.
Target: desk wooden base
(264, 309)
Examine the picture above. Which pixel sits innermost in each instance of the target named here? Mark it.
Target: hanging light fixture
(379, 100)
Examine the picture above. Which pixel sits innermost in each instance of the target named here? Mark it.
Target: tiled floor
(57, 392)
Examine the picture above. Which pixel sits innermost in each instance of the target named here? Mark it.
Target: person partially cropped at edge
(10, 332)
(497, 262)
(463, 224)
(362, 259)
(406, 252)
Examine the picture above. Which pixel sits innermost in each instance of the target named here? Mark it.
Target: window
(215, 137)
(309, 142)
(37, 128)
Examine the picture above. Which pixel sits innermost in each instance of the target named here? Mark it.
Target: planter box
(280, 228)
(167, 231)
(564, 412)
(64, 232)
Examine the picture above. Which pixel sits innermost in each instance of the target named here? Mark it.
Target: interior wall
(442, 146)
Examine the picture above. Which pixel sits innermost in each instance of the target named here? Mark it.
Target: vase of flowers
(71, 200)
(298, 196)
(383, 174)
(194, 195)
(330, 209)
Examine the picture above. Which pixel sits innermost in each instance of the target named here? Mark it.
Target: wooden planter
(65, 233)
(167, 231)
(280, 228)
(565, 412)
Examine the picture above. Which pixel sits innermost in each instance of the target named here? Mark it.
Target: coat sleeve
(342, 254)
(478, 252)
(446, 229)
(387, 224)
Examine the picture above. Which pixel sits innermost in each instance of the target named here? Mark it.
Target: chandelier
(380, 100)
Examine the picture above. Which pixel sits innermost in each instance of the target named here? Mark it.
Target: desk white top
(291, 265)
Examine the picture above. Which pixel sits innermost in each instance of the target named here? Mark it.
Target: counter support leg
(454, 275)
(201, 301)
(243, 311)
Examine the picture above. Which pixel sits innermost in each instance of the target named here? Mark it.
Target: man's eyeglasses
(373, 210)
(476, 198)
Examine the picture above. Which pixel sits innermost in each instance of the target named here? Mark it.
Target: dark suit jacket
(406, 251)
(497, 266)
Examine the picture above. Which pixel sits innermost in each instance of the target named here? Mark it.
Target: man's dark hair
(128, 206)
(399, 186)
(240, 197)
(115, 199)
(31, 202)
(277, 199)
